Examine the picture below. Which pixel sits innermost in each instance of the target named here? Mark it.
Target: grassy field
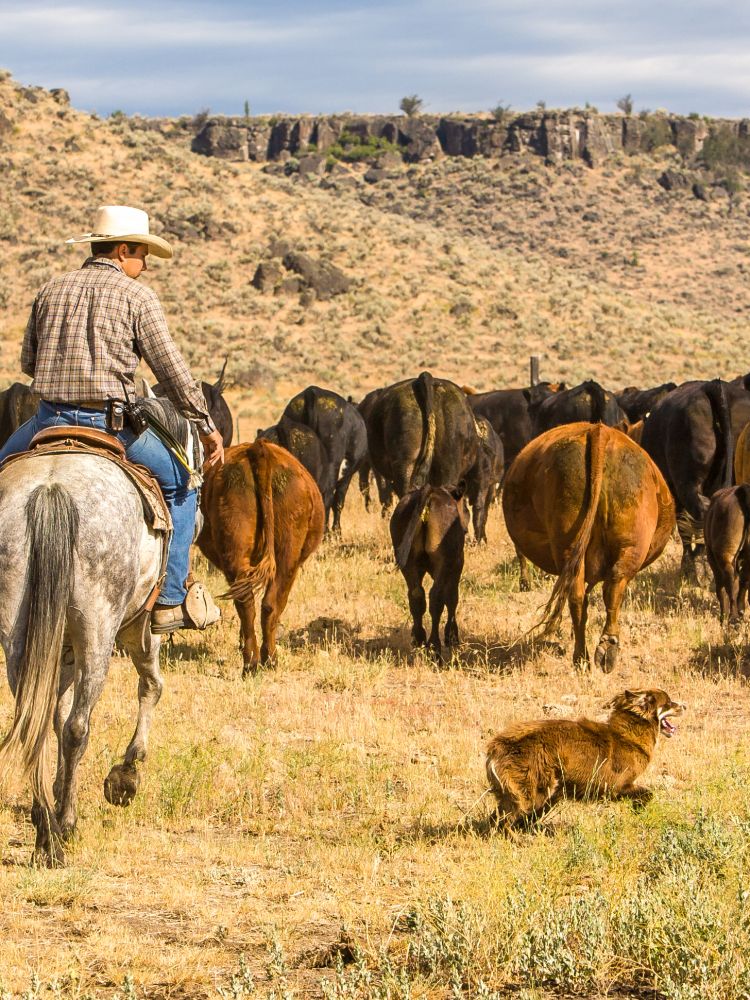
(319, 830)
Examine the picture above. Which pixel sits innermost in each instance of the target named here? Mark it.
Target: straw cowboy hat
(130, 225)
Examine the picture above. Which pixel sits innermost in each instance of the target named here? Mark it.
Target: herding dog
(532, 765)
(428, 530)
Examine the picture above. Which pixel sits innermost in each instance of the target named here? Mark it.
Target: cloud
(343, 55)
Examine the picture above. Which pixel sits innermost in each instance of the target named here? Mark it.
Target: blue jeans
(148, 450)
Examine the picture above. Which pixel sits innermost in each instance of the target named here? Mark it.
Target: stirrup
(199, 606)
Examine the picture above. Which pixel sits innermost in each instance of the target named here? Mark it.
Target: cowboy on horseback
(86, 334)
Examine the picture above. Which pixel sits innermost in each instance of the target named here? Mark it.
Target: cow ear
(526, 394)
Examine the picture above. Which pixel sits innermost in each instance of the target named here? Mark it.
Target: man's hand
(213, 449)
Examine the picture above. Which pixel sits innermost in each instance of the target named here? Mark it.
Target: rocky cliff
(554, 135)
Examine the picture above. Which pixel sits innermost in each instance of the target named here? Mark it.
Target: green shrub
(353, 148)
(723, 148)
(656, 132)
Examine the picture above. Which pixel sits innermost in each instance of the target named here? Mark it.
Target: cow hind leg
(524, 583)
(613, 588)
(578, 602)
(417, 604)
(248, 642)
(271, 608)
(437, 603)
(451, 603)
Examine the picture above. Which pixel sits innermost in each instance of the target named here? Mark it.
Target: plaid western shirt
(87, 331)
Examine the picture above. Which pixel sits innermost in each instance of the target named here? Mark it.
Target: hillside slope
(461, 266)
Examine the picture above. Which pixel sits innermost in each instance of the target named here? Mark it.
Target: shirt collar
(106, 261)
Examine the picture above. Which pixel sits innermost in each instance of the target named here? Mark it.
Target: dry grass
(329, 807)
(330, 801)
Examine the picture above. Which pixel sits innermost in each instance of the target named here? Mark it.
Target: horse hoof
(605, 656)
(121, 784)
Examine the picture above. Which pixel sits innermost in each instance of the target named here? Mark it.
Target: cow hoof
(582, 663)
(605, 656)
(41, 858)
(121, 784)
(524, 586)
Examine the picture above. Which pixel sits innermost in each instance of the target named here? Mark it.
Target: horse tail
(716, 391)
(571, 568)
(262, 561)
(52, 522)
(419, 512)
(424, 387)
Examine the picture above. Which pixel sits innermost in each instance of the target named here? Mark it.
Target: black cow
(302, 442)
(690, 435)
(341, 429)
(17, 405)
(217, 405)
(638, 402)
(384, 488)
(585, 402)
(422, 431)
(508, 412)
(485, 476)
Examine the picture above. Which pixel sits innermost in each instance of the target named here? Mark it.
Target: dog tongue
(667, 728)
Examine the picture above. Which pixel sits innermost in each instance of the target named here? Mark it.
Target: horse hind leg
(123, 780)
(92, 661)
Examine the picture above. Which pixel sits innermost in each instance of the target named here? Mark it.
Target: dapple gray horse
(77, 560)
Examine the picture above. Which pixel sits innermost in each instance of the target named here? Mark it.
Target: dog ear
(619, 701)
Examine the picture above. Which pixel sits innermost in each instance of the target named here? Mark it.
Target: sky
(177, 57)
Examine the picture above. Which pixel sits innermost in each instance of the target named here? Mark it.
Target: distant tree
(200, 119)
(500, 112)
(625, 104)
(541, 105)
(411, 105)
(247, 109)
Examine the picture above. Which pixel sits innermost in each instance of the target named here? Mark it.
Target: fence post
(534, 369)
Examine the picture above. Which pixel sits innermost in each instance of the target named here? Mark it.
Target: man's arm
(160, 353)
(28, 350)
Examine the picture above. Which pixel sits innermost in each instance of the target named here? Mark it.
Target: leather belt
(90, 404)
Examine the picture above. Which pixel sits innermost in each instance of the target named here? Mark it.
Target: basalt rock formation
(555, 135)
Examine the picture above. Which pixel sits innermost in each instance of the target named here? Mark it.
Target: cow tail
(598, 403)
(425, 392)
(573, 564)
(716, 391)
(52, 523)
(263, 561)
(419, 512)
(308, 411)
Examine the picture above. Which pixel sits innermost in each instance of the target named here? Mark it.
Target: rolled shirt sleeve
(161, 354)
(28, 350)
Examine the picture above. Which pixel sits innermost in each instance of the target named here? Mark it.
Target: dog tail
(574, 562)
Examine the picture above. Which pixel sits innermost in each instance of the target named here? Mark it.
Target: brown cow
(742, 456)
(263, 517)
(727, 535)
(428, 529)
(585, 502)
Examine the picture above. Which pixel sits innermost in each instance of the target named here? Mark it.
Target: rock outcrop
(555, 135)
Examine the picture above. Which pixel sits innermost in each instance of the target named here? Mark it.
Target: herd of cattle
(593, 483)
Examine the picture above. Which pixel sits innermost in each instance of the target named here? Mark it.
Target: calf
(726, 530)
(428, 529)
(263, 517)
